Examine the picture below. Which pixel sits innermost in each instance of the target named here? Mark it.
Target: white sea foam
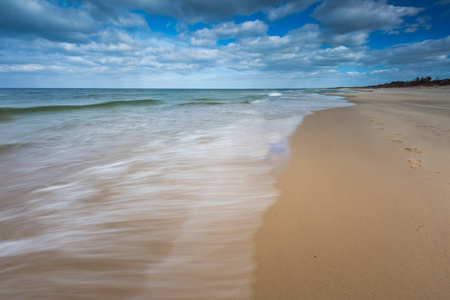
(258, 101)
(155, 202)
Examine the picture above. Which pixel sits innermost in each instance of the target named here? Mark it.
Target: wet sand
(364, 211)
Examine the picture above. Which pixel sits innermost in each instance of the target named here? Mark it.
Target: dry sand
(364, 211)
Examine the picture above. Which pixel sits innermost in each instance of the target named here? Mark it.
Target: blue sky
(221, 43)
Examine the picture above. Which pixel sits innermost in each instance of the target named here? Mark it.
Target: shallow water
(138, 194)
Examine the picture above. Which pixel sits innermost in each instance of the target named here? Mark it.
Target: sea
(140, 193)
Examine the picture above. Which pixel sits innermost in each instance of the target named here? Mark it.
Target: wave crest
(55, 108)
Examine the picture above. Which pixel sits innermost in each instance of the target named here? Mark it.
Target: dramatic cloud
(355, 15)
(60, 23)
(434, 52)
(288, 8)
(191, 11)
(223, 43)
(42, 18)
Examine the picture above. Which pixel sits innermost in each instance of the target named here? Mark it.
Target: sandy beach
(364, 210)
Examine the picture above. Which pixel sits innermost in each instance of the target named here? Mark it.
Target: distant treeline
(424, 81)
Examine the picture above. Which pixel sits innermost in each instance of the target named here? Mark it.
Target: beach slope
(364, 210)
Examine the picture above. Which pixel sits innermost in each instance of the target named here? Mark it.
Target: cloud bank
(223, 43)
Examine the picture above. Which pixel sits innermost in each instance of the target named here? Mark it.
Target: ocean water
(139, 194)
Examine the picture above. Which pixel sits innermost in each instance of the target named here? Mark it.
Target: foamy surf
(125, 197)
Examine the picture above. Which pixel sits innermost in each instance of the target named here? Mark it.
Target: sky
(221, 43)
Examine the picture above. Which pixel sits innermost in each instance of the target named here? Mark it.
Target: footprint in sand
(397, 141)
(415, 163)
(415, 150)
(396, 133)
(380, 128)
(381, 124)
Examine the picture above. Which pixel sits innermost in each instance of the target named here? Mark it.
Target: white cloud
(297, 53)
(22, 68)
(353, 39)
(353, 73)
(385, 71)
(202, 42)
(106, 48)
(248, 28)
(103, 48)
(209, 37)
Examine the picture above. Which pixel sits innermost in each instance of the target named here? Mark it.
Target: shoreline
(364, 210)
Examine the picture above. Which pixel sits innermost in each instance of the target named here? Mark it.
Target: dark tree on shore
(423, 81)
